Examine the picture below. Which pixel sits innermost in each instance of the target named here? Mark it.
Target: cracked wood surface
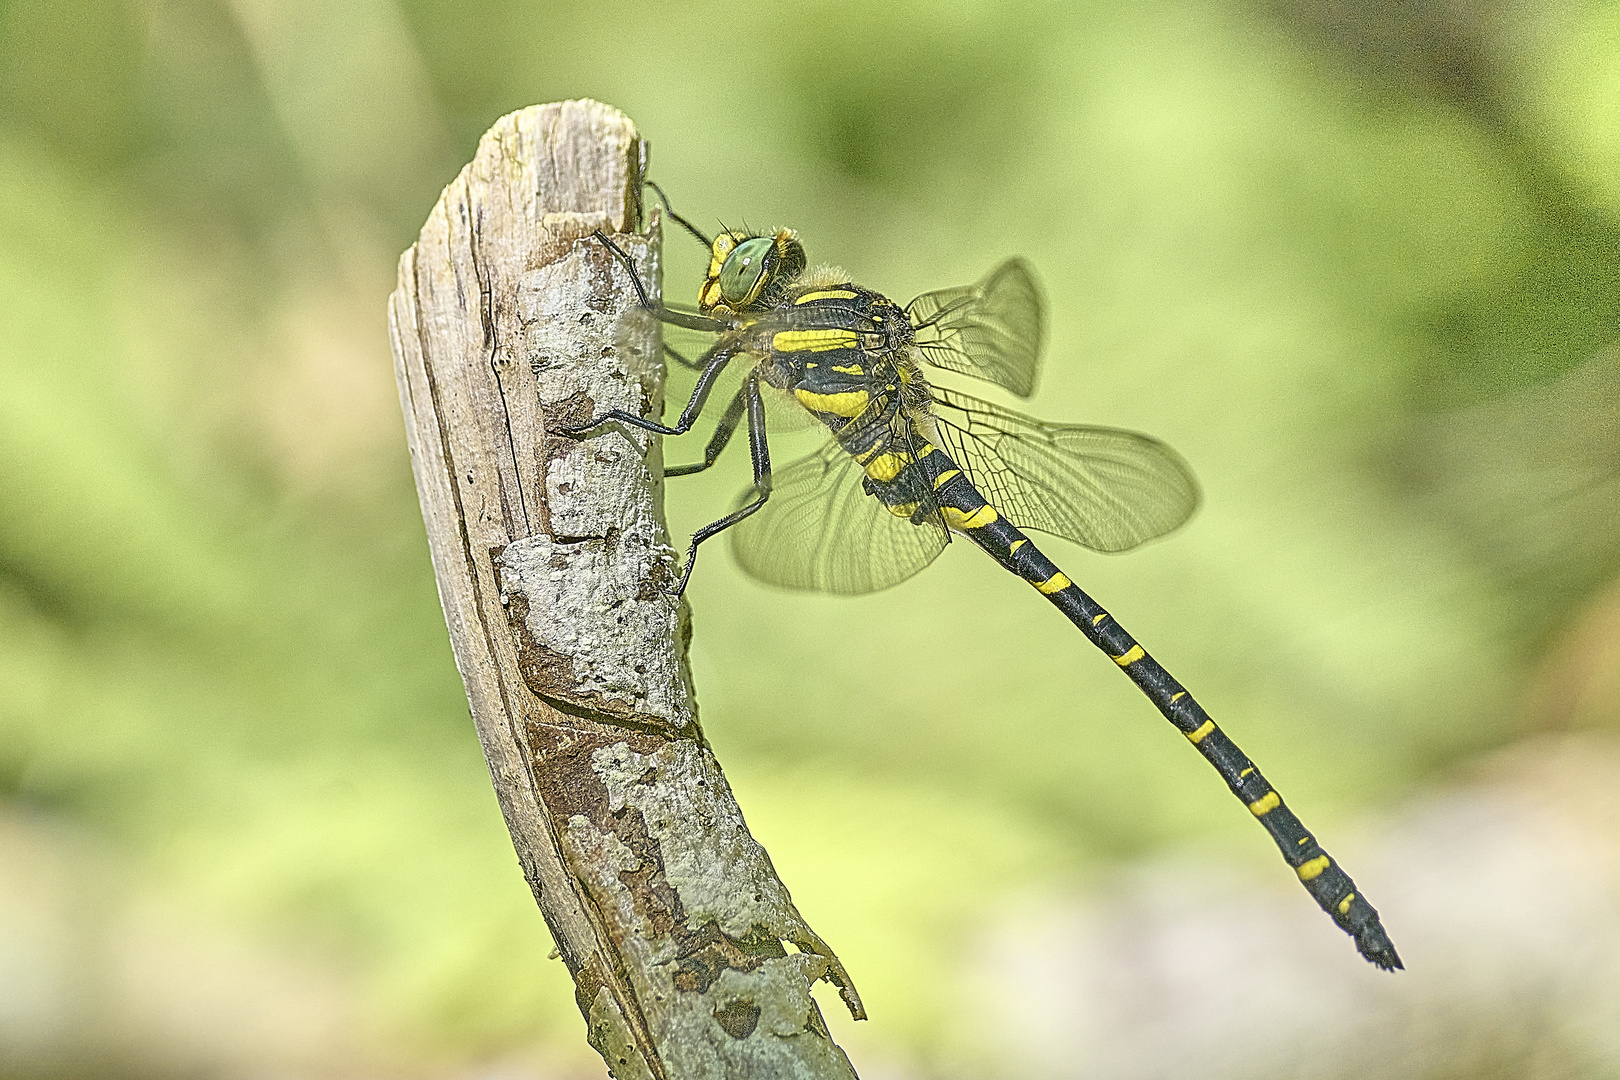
(552, 559)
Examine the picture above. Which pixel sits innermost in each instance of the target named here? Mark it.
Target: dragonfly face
(749, 273)
(815, 335)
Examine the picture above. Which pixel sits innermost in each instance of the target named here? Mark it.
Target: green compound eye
(739, 277)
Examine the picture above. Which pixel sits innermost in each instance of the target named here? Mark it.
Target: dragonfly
(909, 465)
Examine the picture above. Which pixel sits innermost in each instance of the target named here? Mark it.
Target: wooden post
(552, 561)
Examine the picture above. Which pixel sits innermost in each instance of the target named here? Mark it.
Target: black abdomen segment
(967, 512)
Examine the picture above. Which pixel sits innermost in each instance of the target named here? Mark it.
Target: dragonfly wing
(993, 330)
(821, 531)
(1104, 488)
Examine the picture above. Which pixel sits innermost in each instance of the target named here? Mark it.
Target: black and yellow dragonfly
(910, 464)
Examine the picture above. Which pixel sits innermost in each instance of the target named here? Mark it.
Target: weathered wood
(552, 561)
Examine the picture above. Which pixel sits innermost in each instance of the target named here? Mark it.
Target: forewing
(1104, 488)
(993, 330)
(820, 530)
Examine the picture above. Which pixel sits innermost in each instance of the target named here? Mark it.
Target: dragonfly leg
(682, 222)
(714, 365)
(681, 359)
(664, 314)
(722, 436)
(624, 260)
(761, 454)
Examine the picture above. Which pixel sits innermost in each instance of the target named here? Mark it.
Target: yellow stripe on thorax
(825, 294)
(850, 403)
(812, 340)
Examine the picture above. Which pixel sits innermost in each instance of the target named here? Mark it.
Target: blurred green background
(1357, 261)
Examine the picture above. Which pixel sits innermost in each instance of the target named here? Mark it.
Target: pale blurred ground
(1358, 261)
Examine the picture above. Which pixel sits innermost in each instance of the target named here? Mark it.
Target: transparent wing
(1104, 488)
(635, 335)
(683, 347)
(820, 530)
(992, 330)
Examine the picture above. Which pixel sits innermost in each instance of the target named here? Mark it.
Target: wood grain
(553, 561)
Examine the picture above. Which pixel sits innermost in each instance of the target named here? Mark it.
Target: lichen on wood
(553, 564)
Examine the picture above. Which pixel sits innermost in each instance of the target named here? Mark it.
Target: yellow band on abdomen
(976, 519)
(1312, 870)
(1131, 656)
(1265, 804)
(1056, 583)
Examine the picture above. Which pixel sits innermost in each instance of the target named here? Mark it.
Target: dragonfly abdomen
(967, 512)
(905, 473)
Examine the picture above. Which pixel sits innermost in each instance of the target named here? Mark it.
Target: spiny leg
(630, 268)
(714, 365)
(760, 451)
(664, 314)
(722, 435)
(682, 222)
(682, 359)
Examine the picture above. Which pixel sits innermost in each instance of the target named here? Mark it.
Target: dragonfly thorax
(828, 336)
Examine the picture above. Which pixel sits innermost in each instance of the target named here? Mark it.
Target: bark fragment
(552, 561)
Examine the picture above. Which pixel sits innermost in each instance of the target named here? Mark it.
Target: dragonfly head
(749, 272)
